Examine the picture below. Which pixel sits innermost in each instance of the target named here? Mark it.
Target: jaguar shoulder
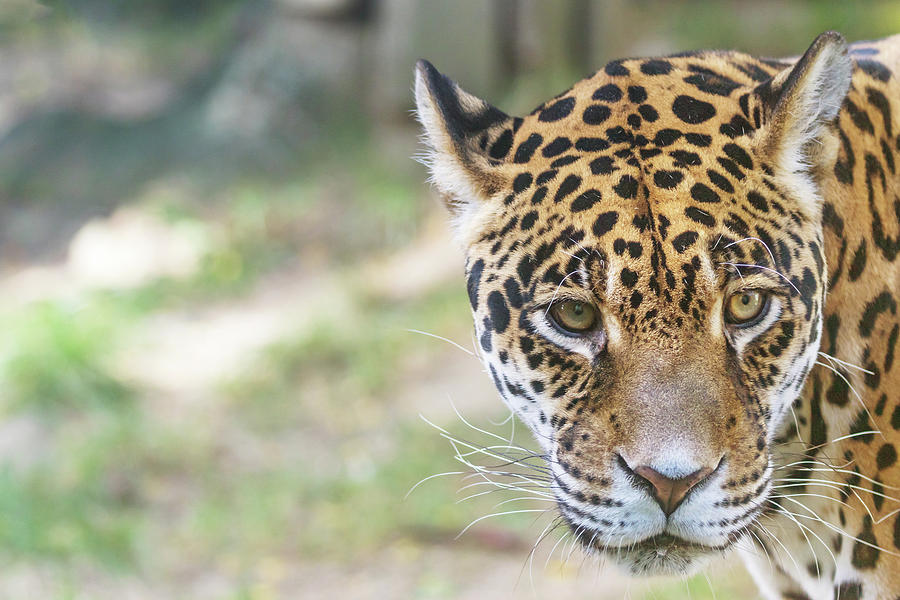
(684, 278)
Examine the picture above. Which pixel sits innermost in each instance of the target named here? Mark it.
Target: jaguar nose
(668, 492)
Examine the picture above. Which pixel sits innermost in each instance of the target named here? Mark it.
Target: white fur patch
(805, 111)
(470, 210)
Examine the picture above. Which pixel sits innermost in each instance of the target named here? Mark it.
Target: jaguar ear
(467, 141)
(801, 107)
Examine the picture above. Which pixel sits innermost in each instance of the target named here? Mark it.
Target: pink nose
(669, 493)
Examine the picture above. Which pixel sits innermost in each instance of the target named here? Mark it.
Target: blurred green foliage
(55, 359)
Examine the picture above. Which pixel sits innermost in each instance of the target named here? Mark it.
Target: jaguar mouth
(662, 554)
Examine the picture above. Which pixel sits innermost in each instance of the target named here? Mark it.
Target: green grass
(78, 503)
(55, 359)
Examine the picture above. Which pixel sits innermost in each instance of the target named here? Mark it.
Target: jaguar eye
(573, 316)
(744, 307)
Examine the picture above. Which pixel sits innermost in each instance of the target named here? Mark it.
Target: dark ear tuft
(467, 139)
(802, 103)
(464, 115)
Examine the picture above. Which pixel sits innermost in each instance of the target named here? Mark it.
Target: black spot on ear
(502, 145)
(558, 110)
(683, 241)
(691, 110)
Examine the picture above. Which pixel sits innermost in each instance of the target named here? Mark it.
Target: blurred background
(213, 245)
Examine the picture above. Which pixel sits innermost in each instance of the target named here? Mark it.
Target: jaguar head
(645, 266)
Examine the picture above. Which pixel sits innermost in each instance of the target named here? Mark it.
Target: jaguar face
(646, 275)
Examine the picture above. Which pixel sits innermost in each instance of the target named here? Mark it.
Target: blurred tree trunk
(507, 35)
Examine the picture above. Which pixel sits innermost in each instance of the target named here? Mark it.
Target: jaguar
(684, 280)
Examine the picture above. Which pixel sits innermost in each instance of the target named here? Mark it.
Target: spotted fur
(654, 190)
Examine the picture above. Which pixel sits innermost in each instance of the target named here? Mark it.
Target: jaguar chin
(683, 273)
(661, 554)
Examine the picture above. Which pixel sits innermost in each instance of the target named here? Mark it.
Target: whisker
(848, 472)
(755, 239)
(438, 337)
(780, 543)
(499, 514)
(799, 482)
(852, 389)
(749, 266)
(837, 529)
(436, 475)
(802, 527)
(846, 364)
